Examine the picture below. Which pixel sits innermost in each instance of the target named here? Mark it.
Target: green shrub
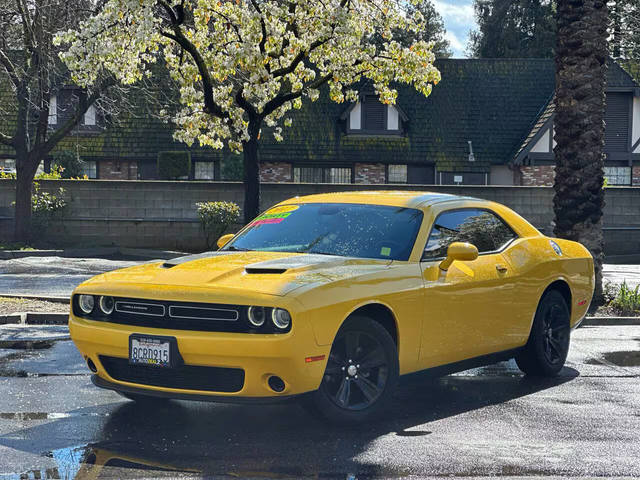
(627, 300)
(46, 207)
(71, 165)
(174, 165)
(215, 218)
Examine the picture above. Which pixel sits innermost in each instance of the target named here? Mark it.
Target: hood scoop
(266, 270)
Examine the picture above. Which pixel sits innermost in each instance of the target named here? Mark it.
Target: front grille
(186, 377)
(203, 317)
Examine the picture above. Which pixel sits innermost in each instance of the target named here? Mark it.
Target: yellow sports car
(335, 296)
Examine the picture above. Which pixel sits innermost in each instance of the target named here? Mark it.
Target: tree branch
(10, 68)
(207, 84)
(263, 27)
(277, 102)
(6, 140)
(298, 58)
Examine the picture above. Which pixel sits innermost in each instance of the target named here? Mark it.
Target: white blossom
(308, 43)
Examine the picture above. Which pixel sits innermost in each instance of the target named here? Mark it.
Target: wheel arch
(562, 286)
(380, 313)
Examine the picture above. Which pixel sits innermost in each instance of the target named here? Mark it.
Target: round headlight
(86, 303)
(281, 318)
(106, 305)
(257, 316)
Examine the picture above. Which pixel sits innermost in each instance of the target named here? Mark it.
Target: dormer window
(90, 116)
(63, 105)
(370, 116)
(53, 110)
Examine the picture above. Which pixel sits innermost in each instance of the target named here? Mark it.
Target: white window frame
(53, 110)
(397, 173)
(210, 168)
(615, 174)
(90, 116)
(90, 168)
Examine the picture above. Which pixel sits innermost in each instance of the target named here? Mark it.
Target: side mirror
(224, 239)
(465, 252)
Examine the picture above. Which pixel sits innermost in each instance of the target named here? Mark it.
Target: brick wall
(159, 214)
(537, 176)
(118, 170)
(275, 172)
(635, 175)
(372, 173)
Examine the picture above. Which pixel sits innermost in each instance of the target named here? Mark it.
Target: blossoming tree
(243, 64)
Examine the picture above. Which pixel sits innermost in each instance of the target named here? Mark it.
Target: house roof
(540, 125)
(617, 79)
(497, 104)
(489, 102)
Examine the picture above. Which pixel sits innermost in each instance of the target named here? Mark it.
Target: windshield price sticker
(275, 215)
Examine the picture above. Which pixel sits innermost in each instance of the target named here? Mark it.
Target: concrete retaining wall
(156, 214)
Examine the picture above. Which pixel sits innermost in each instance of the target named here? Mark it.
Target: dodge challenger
(330, 298)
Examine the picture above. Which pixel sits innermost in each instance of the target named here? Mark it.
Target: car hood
(271, 273)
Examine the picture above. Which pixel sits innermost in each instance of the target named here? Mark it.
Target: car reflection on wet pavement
(483, 422)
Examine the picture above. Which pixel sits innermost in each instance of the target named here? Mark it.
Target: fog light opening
(92, 366)
(276, 384)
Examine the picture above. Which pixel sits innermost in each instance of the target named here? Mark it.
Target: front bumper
(259, 356)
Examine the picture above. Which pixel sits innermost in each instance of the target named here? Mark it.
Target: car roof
(399, 198)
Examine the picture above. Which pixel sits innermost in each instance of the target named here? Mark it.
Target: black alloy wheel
(555, 334)
(361, 373)
(548, 344)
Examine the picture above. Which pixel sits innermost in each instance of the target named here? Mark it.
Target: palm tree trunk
(581, 56)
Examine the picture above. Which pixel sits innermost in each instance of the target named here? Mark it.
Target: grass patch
(622, 299)
(12, 300)
(15, 246)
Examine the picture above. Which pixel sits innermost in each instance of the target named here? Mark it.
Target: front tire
(548, 345)
(361, 373)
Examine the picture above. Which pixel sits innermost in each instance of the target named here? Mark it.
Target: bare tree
(30, 67)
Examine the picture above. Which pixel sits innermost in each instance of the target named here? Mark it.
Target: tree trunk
(24, 181)
(251, 175)
(581, 56)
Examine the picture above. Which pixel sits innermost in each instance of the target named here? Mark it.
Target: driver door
(468, 308)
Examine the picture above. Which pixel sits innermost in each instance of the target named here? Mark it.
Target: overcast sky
(458, 20)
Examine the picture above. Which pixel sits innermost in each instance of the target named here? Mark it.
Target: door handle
(501, 268)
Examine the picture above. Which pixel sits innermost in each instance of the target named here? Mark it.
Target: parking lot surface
(484, 422)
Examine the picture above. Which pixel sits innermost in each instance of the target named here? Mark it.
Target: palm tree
(581, 58)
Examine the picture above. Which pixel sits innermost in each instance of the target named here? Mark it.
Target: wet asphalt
(58, 276)
(484, 422)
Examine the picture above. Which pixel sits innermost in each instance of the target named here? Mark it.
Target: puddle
(91, 462)
(621, 359)
(27, 344)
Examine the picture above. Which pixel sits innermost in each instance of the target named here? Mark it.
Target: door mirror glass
(465, 252)
(223, 240)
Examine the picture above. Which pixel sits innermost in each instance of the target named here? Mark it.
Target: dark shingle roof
(494, 103)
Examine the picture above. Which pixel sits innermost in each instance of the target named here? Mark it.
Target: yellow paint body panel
(440, 317)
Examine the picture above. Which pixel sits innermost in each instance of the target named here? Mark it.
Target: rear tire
(361, 374)
(548, 345)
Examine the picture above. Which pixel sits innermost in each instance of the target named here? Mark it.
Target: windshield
(350, 230)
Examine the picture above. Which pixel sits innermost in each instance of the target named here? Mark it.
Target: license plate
(152, 351)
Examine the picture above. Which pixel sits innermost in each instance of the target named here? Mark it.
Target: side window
(480, 227)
